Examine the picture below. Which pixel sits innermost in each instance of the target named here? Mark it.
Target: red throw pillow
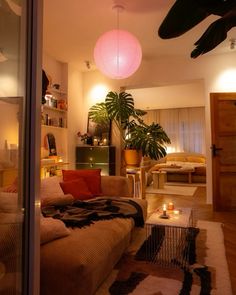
(78, 188)
(92, 178)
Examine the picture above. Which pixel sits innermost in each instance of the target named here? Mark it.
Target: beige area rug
(154, 280)
(172, 190)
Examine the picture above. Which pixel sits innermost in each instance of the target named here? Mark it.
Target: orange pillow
(92, 178)
(77, 188)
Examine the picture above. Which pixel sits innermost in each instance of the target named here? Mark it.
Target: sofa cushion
(60, 200)
(84, 258)
(77, 188)
(91, 176)
(51, 229)
(50, 187)
(117, 186)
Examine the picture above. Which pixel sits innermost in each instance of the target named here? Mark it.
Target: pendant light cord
(117, 40)
(119, 8)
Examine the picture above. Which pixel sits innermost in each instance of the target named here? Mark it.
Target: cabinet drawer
(92, 154)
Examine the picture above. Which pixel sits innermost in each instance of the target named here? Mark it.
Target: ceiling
(71, 28)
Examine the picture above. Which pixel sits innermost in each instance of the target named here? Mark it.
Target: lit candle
(176, 212)
(95, 141)
(104, 141)
(164, 209)
(170, 206)
(60, 160)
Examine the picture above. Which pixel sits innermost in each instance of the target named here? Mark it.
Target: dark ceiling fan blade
(215, 34)
(186, 14)
(183, 15)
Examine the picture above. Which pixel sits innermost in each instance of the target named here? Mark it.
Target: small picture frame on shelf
(51, 142)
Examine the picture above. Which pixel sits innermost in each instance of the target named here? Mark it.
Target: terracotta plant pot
(132, 157)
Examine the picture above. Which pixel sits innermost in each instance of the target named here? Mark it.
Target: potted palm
(135, 135)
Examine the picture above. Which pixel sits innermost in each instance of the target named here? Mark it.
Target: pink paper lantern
(117, 54)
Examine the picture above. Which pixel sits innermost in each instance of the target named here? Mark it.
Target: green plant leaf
(119, 106)
(98, 114)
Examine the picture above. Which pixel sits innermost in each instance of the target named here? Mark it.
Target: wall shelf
(46, 107)
(51, 126)
(51, 169)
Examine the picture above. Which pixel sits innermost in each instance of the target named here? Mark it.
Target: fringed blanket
(81, 213)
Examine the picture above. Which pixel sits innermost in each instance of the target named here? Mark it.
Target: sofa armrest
(117, 186)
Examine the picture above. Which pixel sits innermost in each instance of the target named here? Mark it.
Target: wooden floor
(203, 211)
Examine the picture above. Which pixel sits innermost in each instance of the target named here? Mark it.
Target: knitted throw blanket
(81, 213)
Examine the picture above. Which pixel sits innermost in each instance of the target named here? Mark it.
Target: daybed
(79, 261)
(181, 167)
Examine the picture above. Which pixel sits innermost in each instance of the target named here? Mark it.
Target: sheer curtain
(184, 126)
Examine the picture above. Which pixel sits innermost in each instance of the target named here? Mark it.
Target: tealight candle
(170, 206)
(60, 159)
(176, 212)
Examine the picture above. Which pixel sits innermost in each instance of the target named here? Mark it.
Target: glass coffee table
(168, 239)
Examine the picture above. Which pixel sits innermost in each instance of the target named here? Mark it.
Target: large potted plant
(135, 135)
(149, 139)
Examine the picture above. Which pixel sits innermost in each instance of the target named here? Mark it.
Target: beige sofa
(181, 167)
(77, 263)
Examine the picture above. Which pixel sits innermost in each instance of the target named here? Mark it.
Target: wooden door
(223, 123)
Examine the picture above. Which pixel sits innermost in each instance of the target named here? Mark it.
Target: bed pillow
(77, 188)
(92, 177)
(52, 229)
(176, 158)
(196, 159)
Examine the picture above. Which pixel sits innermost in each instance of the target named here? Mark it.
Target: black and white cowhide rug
(207, 275)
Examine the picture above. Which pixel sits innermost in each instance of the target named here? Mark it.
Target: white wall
(167, 71)
(173, 96)
(76, 116)
(9, 79)
(9, 128)
(56, 71)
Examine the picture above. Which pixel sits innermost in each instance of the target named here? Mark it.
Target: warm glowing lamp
(117, 53)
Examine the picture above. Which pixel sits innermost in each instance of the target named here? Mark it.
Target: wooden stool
(159, 179)
(134, 179)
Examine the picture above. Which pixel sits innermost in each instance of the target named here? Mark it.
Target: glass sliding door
(19, 116)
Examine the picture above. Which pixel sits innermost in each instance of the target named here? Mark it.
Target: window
(184, 126)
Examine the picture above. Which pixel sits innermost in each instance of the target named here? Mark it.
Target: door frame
(31, 146)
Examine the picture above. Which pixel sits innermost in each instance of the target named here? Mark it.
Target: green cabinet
(96, 157)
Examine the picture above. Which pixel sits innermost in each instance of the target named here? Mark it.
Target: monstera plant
(149, 139)
(134, 133)
(119, 108)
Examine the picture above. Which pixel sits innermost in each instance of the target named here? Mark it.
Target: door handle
(214, 150)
